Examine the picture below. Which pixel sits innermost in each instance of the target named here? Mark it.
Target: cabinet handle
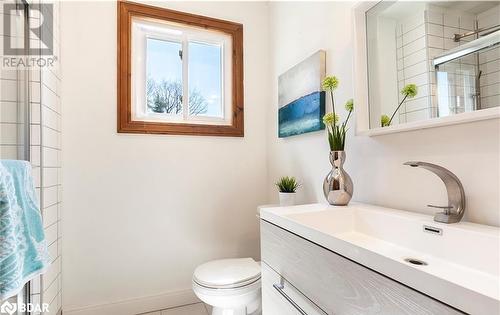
(279, 287)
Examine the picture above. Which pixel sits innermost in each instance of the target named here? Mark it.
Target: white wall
(375, 164)
(143, 210)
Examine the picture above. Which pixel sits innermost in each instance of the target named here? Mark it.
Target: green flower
(410, 90)
(349, 105)
(330, 119)
(384, 120)
(330, 83)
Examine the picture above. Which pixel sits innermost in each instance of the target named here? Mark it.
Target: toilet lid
(227, 273)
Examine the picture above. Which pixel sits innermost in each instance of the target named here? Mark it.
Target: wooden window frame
(126, 124)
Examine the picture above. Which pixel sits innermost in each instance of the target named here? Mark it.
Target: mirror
(431, 59)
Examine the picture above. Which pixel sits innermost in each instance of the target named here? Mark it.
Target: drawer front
(280, 297)
(337, 285)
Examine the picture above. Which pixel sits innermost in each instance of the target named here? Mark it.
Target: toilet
(230, 286)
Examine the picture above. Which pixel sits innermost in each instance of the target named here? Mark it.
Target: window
(178, 73)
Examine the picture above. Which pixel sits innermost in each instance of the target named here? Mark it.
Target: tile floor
(192, 309)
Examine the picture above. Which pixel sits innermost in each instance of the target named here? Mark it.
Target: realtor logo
(11, 308)
(41, 25)
(8, 308)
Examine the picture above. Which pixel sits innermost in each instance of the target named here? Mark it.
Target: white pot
(287, 199)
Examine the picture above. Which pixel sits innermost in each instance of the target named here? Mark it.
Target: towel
(23, 250)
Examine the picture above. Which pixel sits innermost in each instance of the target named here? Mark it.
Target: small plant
(287, 184)
(410, 90)
(336, 131)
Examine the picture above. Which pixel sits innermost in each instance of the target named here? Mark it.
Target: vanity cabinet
(301, 277)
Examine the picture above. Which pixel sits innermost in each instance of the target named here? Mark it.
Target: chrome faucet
(454, 211)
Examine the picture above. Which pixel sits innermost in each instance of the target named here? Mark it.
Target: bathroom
(130, 208)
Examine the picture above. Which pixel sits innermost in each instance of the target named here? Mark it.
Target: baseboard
(138, 305)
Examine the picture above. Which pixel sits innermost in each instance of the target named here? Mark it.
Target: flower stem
(390, 120)
(333, 103)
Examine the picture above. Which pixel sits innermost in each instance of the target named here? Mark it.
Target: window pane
(164, 77)
(205, 80)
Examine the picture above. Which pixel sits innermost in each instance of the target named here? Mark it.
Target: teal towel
(23, 250)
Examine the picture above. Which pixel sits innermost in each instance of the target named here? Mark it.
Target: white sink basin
(461, 264)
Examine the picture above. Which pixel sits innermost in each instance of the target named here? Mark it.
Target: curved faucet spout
(454, 211)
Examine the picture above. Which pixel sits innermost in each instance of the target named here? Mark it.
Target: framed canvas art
(301, 102)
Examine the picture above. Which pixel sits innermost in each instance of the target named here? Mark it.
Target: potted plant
(337, 186)
(287, 187)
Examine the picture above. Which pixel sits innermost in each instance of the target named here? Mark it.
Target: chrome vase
(337, 186)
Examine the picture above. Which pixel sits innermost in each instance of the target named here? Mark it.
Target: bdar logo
(9, 308)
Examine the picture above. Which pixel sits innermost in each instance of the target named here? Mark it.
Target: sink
(457, 264)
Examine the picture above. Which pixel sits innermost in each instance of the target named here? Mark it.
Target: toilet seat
(227, 273)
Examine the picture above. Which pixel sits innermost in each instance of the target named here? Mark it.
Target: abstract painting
(301, 103)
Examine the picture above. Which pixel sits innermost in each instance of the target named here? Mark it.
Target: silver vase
(337, 186)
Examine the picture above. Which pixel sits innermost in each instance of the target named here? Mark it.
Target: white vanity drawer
(280, 297)
(338, 285)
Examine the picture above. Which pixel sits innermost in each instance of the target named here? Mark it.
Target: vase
(338, 187)
(287, 199)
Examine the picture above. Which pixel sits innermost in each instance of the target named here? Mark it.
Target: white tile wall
(45, 155)
(413, 66)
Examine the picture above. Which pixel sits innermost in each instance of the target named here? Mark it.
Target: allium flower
(384, 120)
(349, 105)
(330, 119)
(410, 90)
(330, 83)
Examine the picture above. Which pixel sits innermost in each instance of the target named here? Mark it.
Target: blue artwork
(301, 102)
(302, 115)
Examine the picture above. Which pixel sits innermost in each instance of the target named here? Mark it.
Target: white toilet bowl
(230, 286)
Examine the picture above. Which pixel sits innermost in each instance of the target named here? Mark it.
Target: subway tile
(8, 90)
(418, 115)
(35, 155)
(51, 157)
(414, 34)
(50, 138)
(52, 252)
(417, 104)
(50, 293)
(434, 17)
(50, 177)
(451, 20)
(50, 215)
(415, 58)
(467, 22)
(489, 55)
(8, 112)
(51, 234)
(35, 285)
(416, 69)
(51, 275)
(491, 66)
(434, 29)
(35, 92)
(9, 134)
(49, 196)
(449, 44)
(35, 113)
(414, 46)
(435, 42)
(490, 90)
(490, 78)
(490, 101)
(36, 173)
(51, 118)
(412, 22)
(35, 135)
(433, 52)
